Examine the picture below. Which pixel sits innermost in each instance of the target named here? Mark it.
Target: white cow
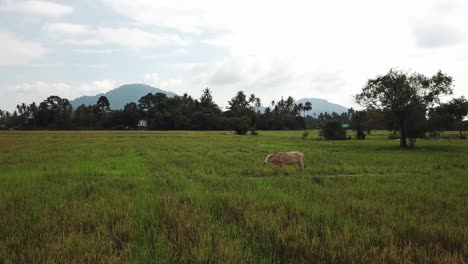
(285, 158)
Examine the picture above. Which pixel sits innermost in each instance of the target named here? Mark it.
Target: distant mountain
(127, 93)
(122, 95)
(322, 106)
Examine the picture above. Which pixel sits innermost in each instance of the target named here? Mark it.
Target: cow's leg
(301, 167)
(282, 169)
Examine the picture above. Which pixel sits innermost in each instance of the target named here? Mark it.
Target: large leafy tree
(103, 104)
(55, 112)
(84, 116)
(102, 111)
(458, 109)
(439, 120)
(401, 94)
(130, 115)
(358, 121)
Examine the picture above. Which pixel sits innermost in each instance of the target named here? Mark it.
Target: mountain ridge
(121, 95)
(127, 93)
(322, 105)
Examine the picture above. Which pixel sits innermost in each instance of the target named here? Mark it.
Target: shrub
(305, 134)
(360, 134)
(240, 124)
(394, 135)
(333, 130)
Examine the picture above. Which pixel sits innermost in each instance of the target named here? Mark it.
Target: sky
(272, 48)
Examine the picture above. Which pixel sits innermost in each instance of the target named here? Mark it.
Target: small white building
(142, 123)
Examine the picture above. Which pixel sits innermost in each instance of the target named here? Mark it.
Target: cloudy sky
(273, 48)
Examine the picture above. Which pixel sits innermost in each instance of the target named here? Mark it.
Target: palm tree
(258, 103)
(289, 103)
(307, 107)
(299, 108)
(252, 99)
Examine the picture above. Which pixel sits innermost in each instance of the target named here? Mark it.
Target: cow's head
(269, 158)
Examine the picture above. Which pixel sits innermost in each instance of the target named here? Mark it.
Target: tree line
(407, 103)
(161, 112)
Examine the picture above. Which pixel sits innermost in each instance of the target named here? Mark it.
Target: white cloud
(225, 73)
(68, 29)
(35, 8)
(186, 16)
(95, 87)
(84, 35)
(17, 51)
(274, 48)
(437, 35)
(172, 85)
(268, 79)
(291, 42)
(95, 51)
(277, 48)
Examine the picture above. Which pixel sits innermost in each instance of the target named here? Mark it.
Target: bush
(333, 130)
(240, 124)
(305, 134)
(360, 134)
(434, 134)
(394, 135)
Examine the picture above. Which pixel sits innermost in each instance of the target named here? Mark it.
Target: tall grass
(165, 197)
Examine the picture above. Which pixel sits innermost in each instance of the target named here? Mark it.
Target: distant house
(142, 123)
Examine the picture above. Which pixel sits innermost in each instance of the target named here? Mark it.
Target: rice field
(198, 197)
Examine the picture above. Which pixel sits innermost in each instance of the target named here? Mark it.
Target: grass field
(165, 197)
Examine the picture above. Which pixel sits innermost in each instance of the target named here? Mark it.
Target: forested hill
(128, 93)
(122, 95)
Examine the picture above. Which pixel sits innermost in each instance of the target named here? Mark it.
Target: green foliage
(439, 120)
(416, 125)
(240, 124)
(458, 109)
(103, 104)
(394, 135)
(448, 116)
(281, 115)
(333, 130)
(165, 111)
(239, 105)
(305, 135)
(359, 123)
(401, 94)
(54, 113)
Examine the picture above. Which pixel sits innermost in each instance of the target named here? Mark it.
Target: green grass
(165, 197)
